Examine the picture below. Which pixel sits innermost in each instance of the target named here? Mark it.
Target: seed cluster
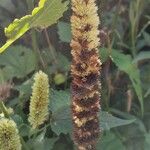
(85, 72)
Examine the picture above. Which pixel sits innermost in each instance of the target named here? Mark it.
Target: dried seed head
(9, 136)
(39, 100)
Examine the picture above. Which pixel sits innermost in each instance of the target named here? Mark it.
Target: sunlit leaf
(46, 14)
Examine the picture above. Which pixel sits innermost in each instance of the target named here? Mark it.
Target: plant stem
(50, 46)
(36, 48)
(23, 143)
(3, 109)
(30, 4)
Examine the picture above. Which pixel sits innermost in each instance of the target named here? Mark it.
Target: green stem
(25, 147)
(36, 48)
(4, 109)
(50, 47)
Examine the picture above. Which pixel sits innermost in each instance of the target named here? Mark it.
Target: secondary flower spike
(39, 100)
(9, 136)
(85, 72)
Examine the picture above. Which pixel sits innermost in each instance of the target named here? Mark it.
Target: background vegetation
(125, 53)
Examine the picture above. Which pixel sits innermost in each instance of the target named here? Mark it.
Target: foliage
(18, 62)
(125, 55)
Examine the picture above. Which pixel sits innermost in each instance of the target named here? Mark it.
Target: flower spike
(39, 100)
(85, 72)
(9, 136)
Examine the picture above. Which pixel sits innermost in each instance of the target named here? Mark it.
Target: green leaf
(18, 61)
(58, 100)
(41, 143)
(63, 64)
(61, 121)
(108, 121)
(147, 38)
(124, 63)
(46, 14)
(110, 142)
(64, 31)
(142, 56)
(18, 120)
(24, 130)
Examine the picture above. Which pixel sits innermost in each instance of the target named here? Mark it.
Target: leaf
(58, 100)
(61, 121)
(24, 130)
(147, 141)
(18, 120)
(42, 143)
(142, 56)
(108, 121)
(64, 31)
(63, 64)
(110, 142)
(46, 14)
(18, 61)
(147, 38)
(124, 63)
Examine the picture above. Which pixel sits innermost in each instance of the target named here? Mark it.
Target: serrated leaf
(18, 61)
(61, 121)
(46, 14)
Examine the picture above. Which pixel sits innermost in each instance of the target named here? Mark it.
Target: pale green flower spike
(39, 100)
(9, 136)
